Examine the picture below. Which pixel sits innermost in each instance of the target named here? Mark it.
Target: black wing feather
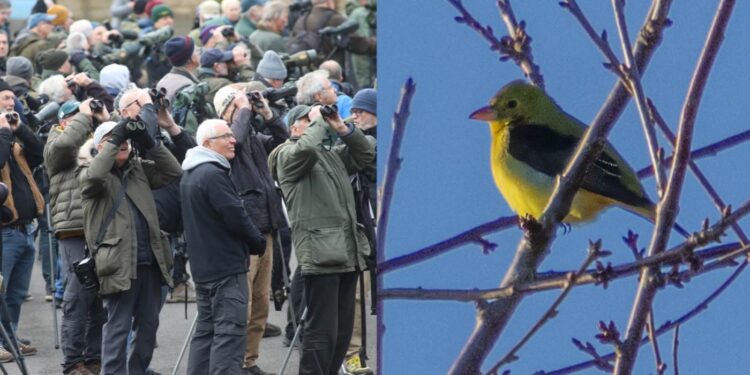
(549, 151)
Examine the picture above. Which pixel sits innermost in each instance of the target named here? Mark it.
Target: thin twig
(675, 346)
(668, 206)
(594, 252)
(517, 46)
(634, 79)
(724, 255)
(660, 366)
(386, 191)
(712, 149)
(666, 327)
(446, 245)
(702, 179)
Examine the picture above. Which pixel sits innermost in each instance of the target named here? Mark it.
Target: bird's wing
(548, 151)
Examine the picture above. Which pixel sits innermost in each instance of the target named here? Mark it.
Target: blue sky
(445, 185)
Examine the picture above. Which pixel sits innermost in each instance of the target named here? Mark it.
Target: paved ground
(36, 324)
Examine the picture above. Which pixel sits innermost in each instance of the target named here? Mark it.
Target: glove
(77, 57)
(144, 142)
(119, 134)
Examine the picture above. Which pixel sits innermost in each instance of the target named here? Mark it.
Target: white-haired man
(220, 238)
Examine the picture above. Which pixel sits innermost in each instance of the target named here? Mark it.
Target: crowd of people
(145, 167)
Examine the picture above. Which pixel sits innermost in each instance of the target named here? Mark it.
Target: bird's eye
(512, 104)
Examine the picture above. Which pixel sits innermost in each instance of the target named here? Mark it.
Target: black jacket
(218, 231)
(250, 170)
(168, 198)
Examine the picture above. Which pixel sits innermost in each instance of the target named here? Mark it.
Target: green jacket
(244, 26)
(268, 41)
(29, 46)
(61, 161)
(116, 258)
(315, 183)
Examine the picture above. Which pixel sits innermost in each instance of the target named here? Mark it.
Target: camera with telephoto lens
(96, 106)
(299, 59)
(329, 111)
(255, 98)
(12, 118)
(85, 270)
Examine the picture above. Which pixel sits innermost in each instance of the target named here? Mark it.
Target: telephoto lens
(96, 106)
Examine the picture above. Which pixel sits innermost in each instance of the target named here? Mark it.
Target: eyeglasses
(133, 102)
(224, 136)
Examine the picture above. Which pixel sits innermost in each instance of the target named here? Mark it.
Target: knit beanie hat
(52, 59)
(271, 66)
(207, 32)
(5, 86)
(179, 50)
(366, 100)
(61, 13)
(160, 11)
(19, 66)
(150, 6)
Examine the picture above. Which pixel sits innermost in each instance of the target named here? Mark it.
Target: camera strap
(111, 214)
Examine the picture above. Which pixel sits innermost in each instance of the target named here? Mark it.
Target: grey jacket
(100, 181)
(315, 181)
(61, 161)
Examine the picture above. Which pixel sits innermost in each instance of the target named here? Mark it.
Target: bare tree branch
(668, 207)
(442, 247)
(594, 252)
(666, 327)
(696, 171)
(386, 191)
(712, 149)
(517, 46)
(660, 365)
(634, 79)
(675, 345)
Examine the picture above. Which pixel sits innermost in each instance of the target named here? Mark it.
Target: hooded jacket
(315, 181)
(219, 233)
(100, 180)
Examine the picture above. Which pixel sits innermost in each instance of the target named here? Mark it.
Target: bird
(533, 140)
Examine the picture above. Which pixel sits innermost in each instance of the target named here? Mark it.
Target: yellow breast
(527, 191)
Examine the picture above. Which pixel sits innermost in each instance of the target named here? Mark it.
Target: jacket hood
(200, 155)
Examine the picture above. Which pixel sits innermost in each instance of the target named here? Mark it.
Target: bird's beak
(485, 113)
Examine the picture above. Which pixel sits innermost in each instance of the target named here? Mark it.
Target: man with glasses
(132, 255)
(330, 247)
(220, 239)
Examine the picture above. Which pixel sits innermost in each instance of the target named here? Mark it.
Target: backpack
(190, 108)
(307, 39)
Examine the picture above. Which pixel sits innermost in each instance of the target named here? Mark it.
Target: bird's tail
(649, 213)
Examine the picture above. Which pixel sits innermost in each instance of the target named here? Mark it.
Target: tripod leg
(9, 337)
(52, 268)
(362, 316)
(185, 344)
(294, 342)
